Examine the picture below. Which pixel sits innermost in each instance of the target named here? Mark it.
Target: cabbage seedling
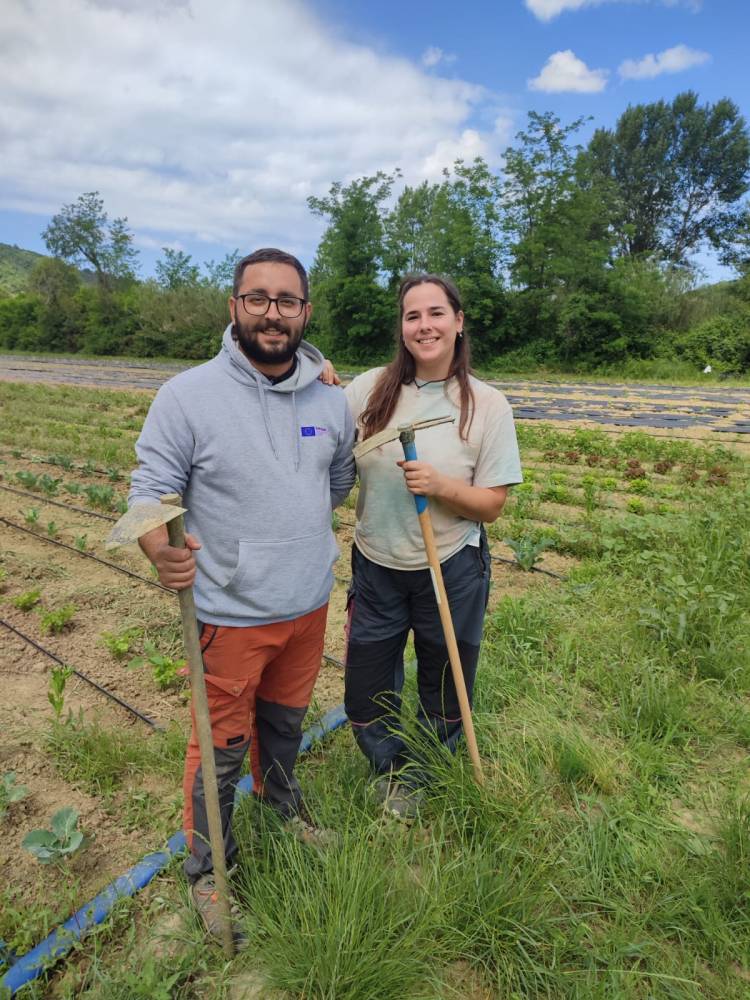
(51, 846)
(10, 792)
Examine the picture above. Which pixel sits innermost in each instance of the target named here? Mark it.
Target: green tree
(678, 171)
(175, 269)
(557, 242)
(220, 273)
(451, 228)
(81, 233)
(56, 284)
(354, 311)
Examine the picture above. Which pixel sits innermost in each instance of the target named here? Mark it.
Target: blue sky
(208, 124)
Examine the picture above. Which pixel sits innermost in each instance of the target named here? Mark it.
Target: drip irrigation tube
(534, 569)
(61, 940)
(99, 687)
(57, 503)
(86, 555)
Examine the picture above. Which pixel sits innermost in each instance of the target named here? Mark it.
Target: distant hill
(15, 266)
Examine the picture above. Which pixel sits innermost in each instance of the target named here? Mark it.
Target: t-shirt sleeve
(358, 391)
(499, 461)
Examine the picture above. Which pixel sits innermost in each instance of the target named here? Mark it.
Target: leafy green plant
(527, 552)
(120, 505)
(64, 461)
(165, 669)
(63, 839)
(114, 474)
(27, 600)
(119, 644)
(48, 485)
(524, 504)
(3, 577)
(27, 479)
(31, 516)
(99, 496)
(335, 521)
(556, 493)
(56, 691)
(75, 489)
(52, 530)
(10, 792)
(80, 542)
(590, 493)
(641, 486)
(636, 506)
(55, 622)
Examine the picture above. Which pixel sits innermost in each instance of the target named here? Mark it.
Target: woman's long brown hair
(402, 370)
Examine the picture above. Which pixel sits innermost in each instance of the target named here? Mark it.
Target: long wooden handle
(428, 536)
(191, 641)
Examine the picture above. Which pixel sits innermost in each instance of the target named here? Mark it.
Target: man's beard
(274, 354)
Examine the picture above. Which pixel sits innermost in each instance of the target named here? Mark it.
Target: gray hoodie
(259, 467)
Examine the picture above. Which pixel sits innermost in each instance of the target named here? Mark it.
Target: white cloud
(564, 72)
(673, 60)
(433, 56)
(547, 10)
(193, 130)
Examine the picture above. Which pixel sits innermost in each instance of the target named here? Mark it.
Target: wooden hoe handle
(428, 536)
(191, 640)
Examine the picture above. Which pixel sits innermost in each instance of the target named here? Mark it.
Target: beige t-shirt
(387, 530)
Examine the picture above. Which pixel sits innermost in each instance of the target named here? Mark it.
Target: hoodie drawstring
(267, 420)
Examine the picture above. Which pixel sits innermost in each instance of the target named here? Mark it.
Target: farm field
(608, 855)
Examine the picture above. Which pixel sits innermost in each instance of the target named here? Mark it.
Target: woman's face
(429, 327)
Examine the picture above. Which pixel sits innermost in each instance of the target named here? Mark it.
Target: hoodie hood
(232, 358)
(309, 366)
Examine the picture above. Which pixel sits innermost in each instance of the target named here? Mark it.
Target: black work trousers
(384, 604)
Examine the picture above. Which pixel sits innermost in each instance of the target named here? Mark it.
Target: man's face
(272, 339)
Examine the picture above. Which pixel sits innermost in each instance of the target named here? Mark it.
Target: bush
(722, 342)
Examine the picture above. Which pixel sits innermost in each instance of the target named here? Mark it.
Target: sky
(208, 123)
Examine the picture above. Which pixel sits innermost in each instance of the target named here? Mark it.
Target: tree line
(573, 256)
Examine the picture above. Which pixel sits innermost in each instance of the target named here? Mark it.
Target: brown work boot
(398, 800)
(206, 900)
(310, 834)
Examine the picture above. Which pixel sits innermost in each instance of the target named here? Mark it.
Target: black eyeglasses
(257, 304)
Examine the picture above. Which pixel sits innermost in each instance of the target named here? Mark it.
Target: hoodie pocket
(284, 579)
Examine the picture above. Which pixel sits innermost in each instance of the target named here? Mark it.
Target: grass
(607, 856)
(100, 760)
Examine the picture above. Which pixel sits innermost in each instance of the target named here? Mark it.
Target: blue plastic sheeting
(60, 941)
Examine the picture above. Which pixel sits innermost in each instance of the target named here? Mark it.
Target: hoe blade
(139, 520)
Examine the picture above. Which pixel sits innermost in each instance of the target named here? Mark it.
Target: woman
(464, 469)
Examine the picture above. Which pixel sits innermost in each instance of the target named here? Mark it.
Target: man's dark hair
(264, 256)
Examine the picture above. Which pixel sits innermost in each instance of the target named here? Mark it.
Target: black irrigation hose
(99, 687)
(119, 569)
(57, 503)
(87, 555)
(534, 569)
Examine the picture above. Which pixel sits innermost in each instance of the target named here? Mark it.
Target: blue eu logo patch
(308, 432)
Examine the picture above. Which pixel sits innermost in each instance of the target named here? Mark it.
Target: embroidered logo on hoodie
(311, 432)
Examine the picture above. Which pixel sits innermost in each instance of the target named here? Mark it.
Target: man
(261, 451)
